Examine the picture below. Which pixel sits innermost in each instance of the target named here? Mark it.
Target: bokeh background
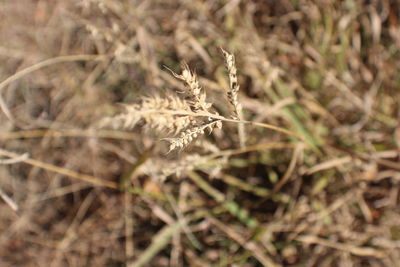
(83, 195)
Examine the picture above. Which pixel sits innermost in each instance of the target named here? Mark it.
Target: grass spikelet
(233, 83)
(189, 135)
(233, 94)
(185, 118)
(157, 113)
(196, 95)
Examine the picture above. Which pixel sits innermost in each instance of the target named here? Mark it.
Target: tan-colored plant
(189, 117)
(185, 118)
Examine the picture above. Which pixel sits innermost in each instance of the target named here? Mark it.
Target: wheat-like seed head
(196, 95)
(186, 118)
(190, 134)
(157, 113)
(233, 83)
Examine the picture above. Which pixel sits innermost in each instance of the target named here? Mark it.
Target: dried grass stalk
(190, 134)
(185, 118)
(233, 94)
(157, 113)
(196, 95)
(233, 83)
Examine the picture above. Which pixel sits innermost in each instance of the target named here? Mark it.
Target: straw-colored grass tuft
(185, 118)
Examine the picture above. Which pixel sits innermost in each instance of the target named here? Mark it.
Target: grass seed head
(233, 83)
(187, 118)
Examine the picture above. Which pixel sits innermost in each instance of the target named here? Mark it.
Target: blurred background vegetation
(74, 194)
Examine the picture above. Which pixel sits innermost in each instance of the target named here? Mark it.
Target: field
(199, 133)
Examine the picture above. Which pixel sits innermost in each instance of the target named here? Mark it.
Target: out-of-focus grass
(325, 70)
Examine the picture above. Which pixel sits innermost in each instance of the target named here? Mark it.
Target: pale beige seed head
(232, 94)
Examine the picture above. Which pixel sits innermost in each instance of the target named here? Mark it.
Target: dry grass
(304, 170)
(189, 117)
